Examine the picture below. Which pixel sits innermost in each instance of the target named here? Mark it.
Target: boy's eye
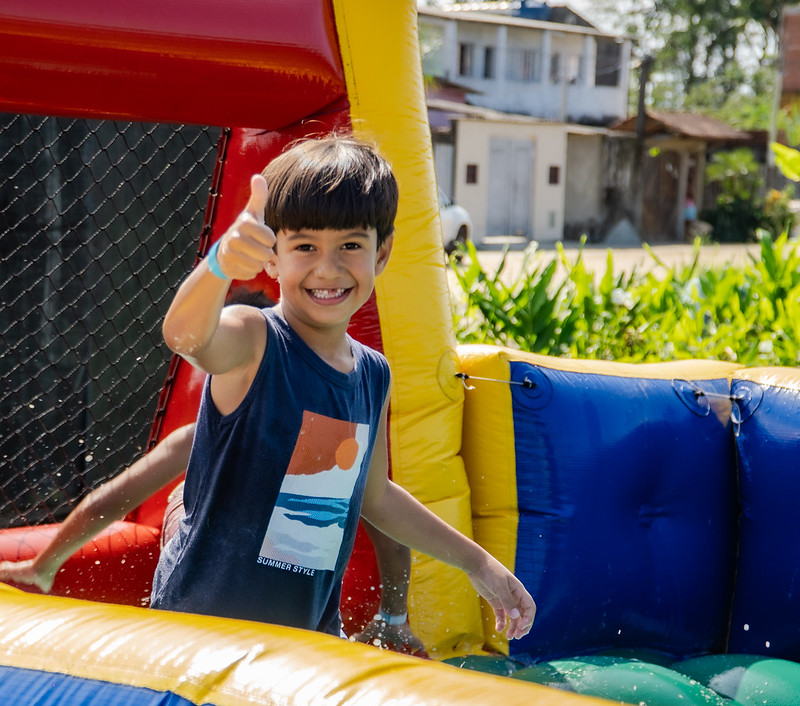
(305, 247)
(352, 246)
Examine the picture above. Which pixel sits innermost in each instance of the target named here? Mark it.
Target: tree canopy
(711, 56)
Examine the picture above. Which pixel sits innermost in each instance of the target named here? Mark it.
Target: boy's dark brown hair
(334, 182)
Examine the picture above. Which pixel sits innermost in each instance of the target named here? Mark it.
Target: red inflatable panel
(156, 61)
(128, 553)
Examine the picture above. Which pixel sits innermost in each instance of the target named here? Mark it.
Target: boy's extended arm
(398, 514)
(111, 501)
(195, 327)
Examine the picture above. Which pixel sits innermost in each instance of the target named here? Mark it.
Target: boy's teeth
(327, 293)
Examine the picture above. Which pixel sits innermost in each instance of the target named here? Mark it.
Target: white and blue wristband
(213, 263)
(391, 619)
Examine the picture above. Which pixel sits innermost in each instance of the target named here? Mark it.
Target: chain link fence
(99, 222)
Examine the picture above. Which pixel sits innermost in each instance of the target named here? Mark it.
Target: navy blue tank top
(273, 490)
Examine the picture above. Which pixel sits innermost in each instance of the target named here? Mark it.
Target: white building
(533, 81)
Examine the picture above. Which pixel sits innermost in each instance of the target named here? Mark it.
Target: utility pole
(777, 89)
(637, 192)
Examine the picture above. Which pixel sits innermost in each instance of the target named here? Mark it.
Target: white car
(456, 223)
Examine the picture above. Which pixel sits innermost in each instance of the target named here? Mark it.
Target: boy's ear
(271, 266)
(383, 254)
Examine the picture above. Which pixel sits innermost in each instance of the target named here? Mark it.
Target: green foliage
(737, 173)
(777, 215)
(711, 57)
(787, 159)
(789, 122)
(749, 314)
(741, 209)
(737, 98)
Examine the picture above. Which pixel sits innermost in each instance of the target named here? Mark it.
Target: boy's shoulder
(373, 357)
(243, 312)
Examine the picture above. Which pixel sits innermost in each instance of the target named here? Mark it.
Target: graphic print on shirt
(307, 525)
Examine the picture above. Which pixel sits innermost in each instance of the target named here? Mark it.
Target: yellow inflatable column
(380, 50)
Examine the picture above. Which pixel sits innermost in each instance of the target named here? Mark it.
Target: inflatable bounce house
(649, 509)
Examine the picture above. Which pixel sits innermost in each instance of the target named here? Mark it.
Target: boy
(291, 437)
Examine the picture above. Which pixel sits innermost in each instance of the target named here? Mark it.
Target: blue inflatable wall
(766, 608)
(626, 506)
(631, 460)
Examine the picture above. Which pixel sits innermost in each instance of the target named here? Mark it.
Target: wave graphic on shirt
(317, 512)
(307, 524)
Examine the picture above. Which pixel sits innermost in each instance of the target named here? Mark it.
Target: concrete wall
(549, 141)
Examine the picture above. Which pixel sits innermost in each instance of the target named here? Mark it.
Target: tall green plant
(749, 314)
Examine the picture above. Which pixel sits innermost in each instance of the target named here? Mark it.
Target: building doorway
(510, 187)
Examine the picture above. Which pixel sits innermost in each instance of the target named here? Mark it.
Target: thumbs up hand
(246, 247)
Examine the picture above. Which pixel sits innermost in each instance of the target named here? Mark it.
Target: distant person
(689, 217)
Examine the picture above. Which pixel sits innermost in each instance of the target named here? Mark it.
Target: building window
(472, 174)
(465, 59)
(609, 56)
(488, 62)
(523, 65)
(555, 68)
(573, 68)
(566, 67)
(555, 173)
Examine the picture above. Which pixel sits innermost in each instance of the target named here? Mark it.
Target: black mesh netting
(99, 222)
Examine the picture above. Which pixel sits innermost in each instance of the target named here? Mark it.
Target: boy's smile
(325, 277)
(328, 294)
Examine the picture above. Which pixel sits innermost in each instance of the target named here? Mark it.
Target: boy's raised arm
(195, 327)
(398, 514)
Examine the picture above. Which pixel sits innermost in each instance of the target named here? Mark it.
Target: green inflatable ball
(752, 680)
(623, 680)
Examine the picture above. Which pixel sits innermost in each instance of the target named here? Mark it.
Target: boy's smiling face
(326, 276)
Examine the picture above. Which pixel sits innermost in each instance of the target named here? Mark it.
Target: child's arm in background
(107, 503)
(390, 628)
(398, 514)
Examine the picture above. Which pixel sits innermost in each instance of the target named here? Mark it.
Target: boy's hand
(25, 572)
(397, 638)
(247, 245)
(514, 609)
